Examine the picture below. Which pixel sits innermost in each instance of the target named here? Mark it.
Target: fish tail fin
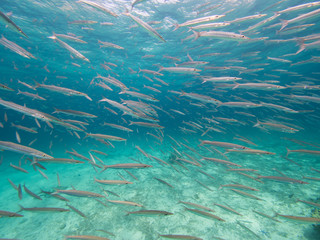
(288, 151)
(183, 93)
(196, 35)
(257, 124)
(284, 23)
(302, 47)
(236, 86)
(21, 208)
(37, 84)
(87, 135)
(176, 26)
(160, 68)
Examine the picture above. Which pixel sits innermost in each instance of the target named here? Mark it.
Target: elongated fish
(58, 160)
(9, 214)
(79, 193)
(99, 7)
(127, 165)
(11, 24)
(301, 17)
(44, 209)
(175, 236)
(104, 136)
(145, 26)
(283, 179)
(300, 219)
(63, 90)
(112, 182)
(221, 35)
(197, 206)
(69, 48)
(14, 147)
(74, 113)
(205, 214)
(125, 203)
(150, 213)
(6, 88)
(198, 21)
(85, 237)
(15, 48)
(32, 194)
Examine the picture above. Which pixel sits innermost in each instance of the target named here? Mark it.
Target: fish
(85, 237)
(299, 7)
(250, 151)
(19, 192)
(4, 18)
(239, 186)
(125, 203)
(71, 38)
(222, 144)
(79, 193)
(184, 70)
(242, 19)
(265, 215)
(317, 205)
(221, 161)
(198, 20)
(301, 17)
(9, 214)
(205, 214)
(58, 160)
(150, 213)
(145, 26)
(303, 151)
(220, 35)
(44, 209)
(31, 193)
(74, 113)
(99, 7)
(112, 182)
(246, 194)
(145, 124)
(63, 90)
(197, 206)
(14, 147)
(6, 88)
(16, 48)
(69, 48)
(175, 236)
(104, 136)
(282, 179)
(300, 219)
(77, 211)
(127, 166)
(228, 209)
(110, 45)
(164, 182)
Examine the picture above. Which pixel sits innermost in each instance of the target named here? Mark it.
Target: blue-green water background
(40, 19)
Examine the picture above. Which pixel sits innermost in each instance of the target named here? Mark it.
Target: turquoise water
(269, 56)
